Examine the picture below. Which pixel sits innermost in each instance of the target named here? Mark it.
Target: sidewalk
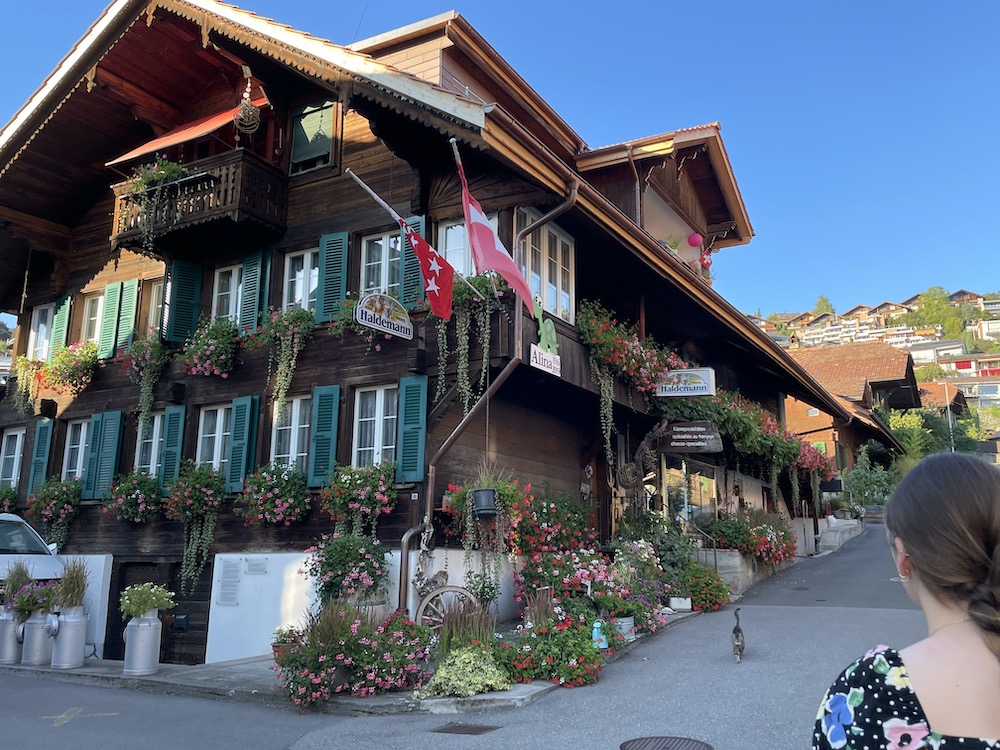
(253, 680)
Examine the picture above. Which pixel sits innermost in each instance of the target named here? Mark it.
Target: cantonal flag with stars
(439, 276)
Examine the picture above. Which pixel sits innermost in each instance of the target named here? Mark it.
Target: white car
(18, 541)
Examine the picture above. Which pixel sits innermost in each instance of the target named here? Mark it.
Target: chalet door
(124, 574)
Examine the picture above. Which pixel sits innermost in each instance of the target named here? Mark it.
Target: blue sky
(861, 133)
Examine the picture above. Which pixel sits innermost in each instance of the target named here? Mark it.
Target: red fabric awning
(186, 132)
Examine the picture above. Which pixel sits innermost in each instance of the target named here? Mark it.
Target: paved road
(802, 627)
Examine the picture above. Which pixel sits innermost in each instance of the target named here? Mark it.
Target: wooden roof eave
(68, 74)
(320, 59)
(521, 149)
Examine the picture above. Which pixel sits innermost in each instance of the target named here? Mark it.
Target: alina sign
(698, 381)
(384, 313)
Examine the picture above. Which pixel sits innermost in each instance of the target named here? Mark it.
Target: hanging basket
(484, 503)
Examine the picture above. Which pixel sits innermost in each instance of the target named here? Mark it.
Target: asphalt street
(802, 627)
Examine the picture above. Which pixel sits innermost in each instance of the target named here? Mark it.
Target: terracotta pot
(281, 652)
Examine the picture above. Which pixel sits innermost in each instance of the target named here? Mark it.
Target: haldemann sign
(384, 313)
(698, 381)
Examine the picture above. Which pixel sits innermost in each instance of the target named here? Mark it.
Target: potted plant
(26, 378)
(146, 187)
(143, 362)
(17, 578)
(286, 333)
(194, 499)
(355, 497)
(34, 602)
(68, 625)
(8, 499)
(134, 497)
(285, 638)
(211, 349)
(349, 566)
(680, 597)
(71, 368)
(55, 504)
(275, 494)
(141, 602)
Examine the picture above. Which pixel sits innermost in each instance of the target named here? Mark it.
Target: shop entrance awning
(184, 133)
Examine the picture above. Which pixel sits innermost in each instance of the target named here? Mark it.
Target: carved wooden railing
(237, 185)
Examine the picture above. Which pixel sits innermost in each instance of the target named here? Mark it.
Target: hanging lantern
(695, 239)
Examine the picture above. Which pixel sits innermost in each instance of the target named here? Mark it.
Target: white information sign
(698, 381)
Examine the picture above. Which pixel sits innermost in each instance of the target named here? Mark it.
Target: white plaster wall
(663, 223)
(281, 596)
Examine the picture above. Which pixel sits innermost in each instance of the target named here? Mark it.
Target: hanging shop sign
(384, 313)
(691, 437)
(698, 381)
(545, 354)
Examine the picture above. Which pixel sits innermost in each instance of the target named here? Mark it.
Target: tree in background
(5, 333)
(936, 310)
(869, 483)
(924, 431)
(927, 373)
(779, 325)
(824, 305)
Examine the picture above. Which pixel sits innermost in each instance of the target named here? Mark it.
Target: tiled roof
(933, 394)
(844, 369)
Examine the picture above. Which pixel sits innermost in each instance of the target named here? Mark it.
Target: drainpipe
(508, 370)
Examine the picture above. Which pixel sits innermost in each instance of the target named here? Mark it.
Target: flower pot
(680, 603)
(142, 645)
(625, 626)
(281, 652)
(10, 643)
(69, 637)
(484, 503)
(376, 609)
(37, 648)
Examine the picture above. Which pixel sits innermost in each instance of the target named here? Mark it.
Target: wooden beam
(41, 234)
(160, 113)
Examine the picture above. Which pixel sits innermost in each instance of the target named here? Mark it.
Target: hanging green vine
(26, 377)
(605, 381)
(463, 321)
(814, 485)
(195, 498)
(793, 475)
(442, 359)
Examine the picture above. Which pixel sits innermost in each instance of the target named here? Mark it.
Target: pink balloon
(695, 239)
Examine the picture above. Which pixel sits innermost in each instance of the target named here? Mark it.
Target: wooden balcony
(238, 186)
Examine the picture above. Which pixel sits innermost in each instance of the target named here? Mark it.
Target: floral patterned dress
(872, 706)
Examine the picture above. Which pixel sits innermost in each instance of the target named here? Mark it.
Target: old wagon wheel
(432, 607)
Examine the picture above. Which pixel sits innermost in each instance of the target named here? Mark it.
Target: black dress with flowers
(872, 706)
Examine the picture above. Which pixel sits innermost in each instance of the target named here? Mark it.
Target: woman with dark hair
(943, 524)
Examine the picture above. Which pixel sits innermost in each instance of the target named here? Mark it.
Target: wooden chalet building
(270, 219)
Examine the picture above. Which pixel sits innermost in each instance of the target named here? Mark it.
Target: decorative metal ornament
(247, 117)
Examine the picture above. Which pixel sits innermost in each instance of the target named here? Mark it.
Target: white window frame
(213, 447)
(75, 450)
(294, 419)
(40, 344)
(376, 447)
(555, 288)
(153, 436)
(385, 268)
(231, 308)
(155, 306)
(453, 243)
(93, 311)
(295, 284)
(11, 455)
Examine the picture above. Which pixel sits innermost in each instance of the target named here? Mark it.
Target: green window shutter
(60, 322)
(332, 276)
(182, 301)
(412, 284)
(251, 295)
(40, 455)
(126, 316)
(103, 449)
(323, 433)
(411, 429)
(109, 320)
(173, 441)
(242, 444)
(821, 447)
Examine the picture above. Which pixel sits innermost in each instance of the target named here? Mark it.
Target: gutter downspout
(508, 370)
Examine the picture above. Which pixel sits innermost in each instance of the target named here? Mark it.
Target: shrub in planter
(211, 349)
(394, 658)
(559, 650)
(194, 499)
(55, 504)
(34, 596)
(71, 368)
(8, 500)
(708, 591)
(358, 495)
(139, 598)
(72, 587)
(465, 672)
(348, 565)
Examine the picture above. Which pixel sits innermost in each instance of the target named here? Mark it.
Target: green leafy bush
(465, 672)
(707, 589)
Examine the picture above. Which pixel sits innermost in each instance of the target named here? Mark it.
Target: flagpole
(378, 199)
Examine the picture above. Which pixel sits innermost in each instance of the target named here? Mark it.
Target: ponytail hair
(946, 511)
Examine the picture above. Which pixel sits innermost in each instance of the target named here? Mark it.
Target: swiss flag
(439, 276)
(488, 252)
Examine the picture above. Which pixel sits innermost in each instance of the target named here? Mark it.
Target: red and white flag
(488, 252)
(439, 276)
